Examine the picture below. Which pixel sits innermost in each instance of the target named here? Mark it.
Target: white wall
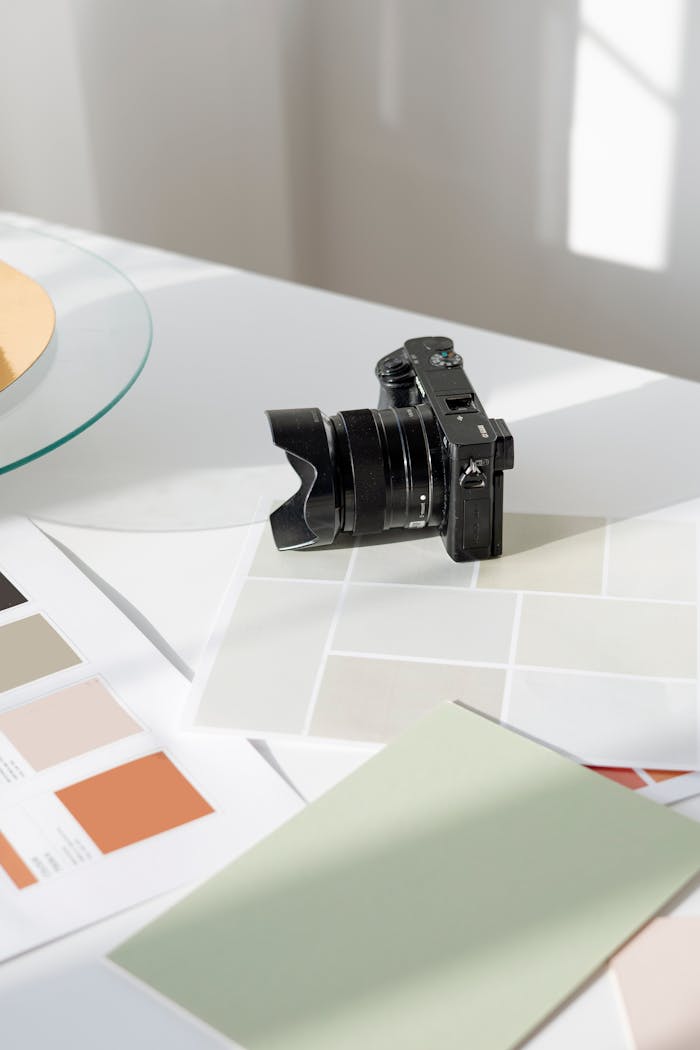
(530, 166)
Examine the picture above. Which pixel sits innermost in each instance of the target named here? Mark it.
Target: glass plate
(101, 344)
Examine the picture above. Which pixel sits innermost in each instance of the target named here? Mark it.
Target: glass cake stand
(100, 345)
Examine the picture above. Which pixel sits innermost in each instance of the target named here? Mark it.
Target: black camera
(428, 456)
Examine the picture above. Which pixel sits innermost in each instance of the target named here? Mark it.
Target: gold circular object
(27, 323)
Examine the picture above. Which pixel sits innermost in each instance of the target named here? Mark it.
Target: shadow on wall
(529, 168)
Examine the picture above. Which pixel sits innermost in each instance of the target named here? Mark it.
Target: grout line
(505, 704)
(359, 654)
(475, 575)
(481, 590)
(328, 648)
(606, 561)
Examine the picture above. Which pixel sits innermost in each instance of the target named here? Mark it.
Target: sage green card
(450, 894)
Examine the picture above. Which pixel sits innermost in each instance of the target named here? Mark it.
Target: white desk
(145, 499)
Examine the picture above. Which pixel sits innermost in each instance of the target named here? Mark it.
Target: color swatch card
(415, 906)
(102, 802)
(657, 977)
(584, 634)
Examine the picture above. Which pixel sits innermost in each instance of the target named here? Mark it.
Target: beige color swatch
(426, 621)
(30, 649)
(652, 559)
(266, 667)
(317, 563)
(410, 558)
(621, 637)
(67, 723)
(548, 553)
(657, 974)
(374, 700)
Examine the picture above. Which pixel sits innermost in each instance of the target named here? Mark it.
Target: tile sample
(374, 700)
(133, 802)
(652, 559)
(268, 659)
(548, 552)
(30, 649)
(9, 595)
(439, 624)
(657, 977)
(317, 563)
(620, 637)
(608, 720)
(67, 723)
(409, 559)
(415, 906)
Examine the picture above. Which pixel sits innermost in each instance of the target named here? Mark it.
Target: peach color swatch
(67, 723)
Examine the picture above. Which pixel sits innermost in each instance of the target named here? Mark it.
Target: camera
(428, 456)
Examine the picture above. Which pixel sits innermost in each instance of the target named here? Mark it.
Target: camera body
(475, 449)
(428, 456)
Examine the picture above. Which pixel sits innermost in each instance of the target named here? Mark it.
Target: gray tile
(608, 721)
(317, 563)
(422, 621)
(418, 560)
(653, 559)
(548, 553)
(595, 634)
(30, 649)
(373, 700)
(264, 673)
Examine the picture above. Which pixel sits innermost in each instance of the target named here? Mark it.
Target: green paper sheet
(447, 896)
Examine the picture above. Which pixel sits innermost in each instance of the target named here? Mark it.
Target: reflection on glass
(621, 155)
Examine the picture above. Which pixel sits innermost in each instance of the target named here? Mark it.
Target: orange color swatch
(627, 777)
(12, 863)
(665, 774)
(133, 802)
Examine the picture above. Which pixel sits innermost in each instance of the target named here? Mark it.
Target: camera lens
(362, 471)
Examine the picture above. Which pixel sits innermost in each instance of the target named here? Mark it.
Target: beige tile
(373, 700)
(420, 559)
(548, 553)
(422, 621)
(653, 559)
(608, 721)
(264, 673)
(596, 634)
(317, 563)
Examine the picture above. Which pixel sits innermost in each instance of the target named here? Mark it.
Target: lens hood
(310, 517)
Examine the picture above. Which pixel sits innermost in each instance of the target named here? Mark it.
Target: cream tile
(266, 667)
(606, 721)
(548, 553)
(595, 634)
(421, 621)
(317, 563)
(653, 559)
(422, 559)
(373, 700)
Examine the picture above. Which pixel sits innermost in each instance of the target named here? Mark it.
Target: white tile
(264, 673)
(595, 634)
(316, 563)
(608, 721)
(411, 558)
(422, 621)
(652, 559)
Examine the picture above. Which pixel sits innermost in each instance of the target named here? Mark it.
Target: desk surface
(156, 484)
